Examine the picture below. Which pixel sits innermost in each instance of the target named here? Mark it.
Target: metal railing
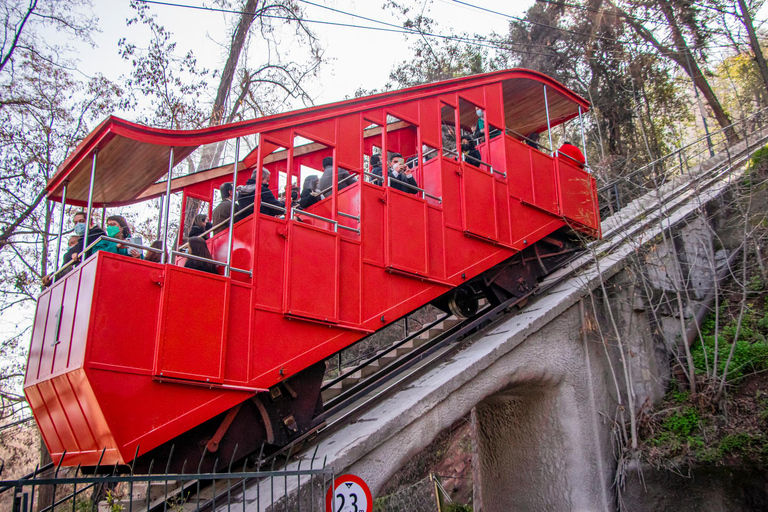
(54, 488)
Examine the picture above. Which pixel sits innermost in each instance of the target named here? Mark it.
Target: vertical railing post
(232, 208)
(549, 127)
(61, 226)
(583, 139)
(164, 256)
(160, 219)
(90, 201)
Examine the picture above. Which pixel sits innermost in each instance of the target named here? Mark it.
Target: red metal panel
(56, 412)
(406, 232)
(280, 137)
(192, 334)
(125, 338)
(576, 193)
(408, 111)
(242, 245)
(312, 273)
(475, 95)
(238, 335)
(544, 183)
(270, 263)
(320, 131)
(372, 223)
(43, 419)
(494, 105)
(81, 430)
(503, 228)
(436, 242)
(376, 115)
(452, 203)
(429, 122)
(84, 313)
(51, 330)
(349, 281)
(349, 147)
(38, 337)
(61, 359)
(479, 202)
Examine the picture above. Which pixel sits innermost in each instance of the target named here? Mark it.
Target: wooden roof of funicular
(132, 157)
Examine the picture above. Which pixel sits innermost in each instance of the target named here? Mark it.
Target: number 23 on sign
(349, 493)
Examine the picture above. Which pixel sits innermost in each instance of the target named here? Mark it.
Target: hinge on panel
(282, 232)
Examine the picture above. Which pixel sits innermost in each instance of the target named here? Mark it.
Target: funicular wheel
(463, 302)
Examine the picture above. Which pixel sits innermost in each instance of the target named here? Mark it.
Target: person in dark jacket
(470, 152)
(401, 175)
(198, 247)
(221, 212)
(246, 196)
(345, 179)
(311, 192)
(375, 166)
(199, 226)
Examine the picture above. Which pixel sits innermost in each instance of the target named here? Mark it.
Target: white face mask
(80, 228)
(479, 113)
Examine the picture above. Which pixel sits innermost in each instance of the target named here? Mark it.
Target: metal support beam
(232, 209)
(90, 201)
(164, 256)
(61, 226)
(549, 126)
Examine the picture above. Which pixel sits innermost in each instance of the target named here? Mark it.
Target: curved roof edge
(114, 126)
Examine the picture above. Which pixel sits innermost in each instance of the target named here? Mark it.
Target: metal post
(232, 208)
(61, 226)
(164, 256)
(90, 201)
(583, 139)
(103, 215)
(160, 219)
(549, 127)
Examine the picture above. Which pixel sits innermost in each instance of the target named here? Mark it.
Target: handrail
(582, 165)
(539, 145)
(679, 150)
(347, 215)
(295, 211)
(340, 181)
(208, 260)
(473, 158)
(423, 192)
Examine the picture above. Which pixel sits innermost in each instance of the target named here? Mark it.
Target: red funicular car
(130, 357)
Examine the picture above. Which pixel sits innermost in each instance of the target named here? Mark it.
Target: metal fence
(58, 489)
(621, 190)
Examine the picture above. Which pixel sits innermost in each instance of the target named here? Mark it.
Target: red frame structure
(127, 354)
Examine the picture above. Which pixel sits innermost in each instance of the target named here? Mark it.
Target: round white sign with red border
(349, 494)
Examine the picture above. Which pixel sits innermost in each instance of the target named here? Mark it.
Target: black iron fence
(58, 489)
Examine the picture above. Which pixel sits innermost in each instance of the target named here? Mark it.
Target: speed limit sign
(349, 493)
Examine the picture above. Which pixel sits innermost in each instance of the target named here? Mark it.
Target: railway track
(632, 220)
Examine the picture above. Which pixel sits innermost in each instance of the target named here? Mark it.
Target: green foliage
(682, 422)
(457, 507)
(759, 160)
(751, 352)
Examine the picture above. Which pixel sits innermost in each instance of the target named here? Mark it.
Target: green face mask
(113, 230)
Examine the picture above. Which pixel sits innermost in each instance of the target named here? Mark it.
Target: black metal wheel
(463, 303)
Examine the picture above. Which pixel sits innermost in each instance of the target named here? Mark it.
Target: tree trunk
(682, 55)
(746, 18)
(208, 157)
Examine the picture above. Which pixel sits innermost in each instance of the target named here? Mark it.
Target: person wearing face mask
(469, 152)
(479, 132)
(117, 227)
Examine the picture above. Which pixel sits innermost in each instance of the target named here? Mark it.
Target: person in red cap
(573, 153)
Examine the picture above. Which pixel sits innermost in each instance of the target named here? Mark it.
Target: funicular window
(403, 162)
(448, 131)
(374, 161)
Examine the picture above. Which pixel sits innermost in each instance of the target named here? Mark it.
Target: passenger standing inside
(400, 175)
(469, 151)
(155, 256)
(94, 233)
(246, 196)
(199, 226)
(198, 247)
(375, 166)
(533, 140)
(221, 212)
(326, 180)
(117, 227)
(311, 192)
(573, 153)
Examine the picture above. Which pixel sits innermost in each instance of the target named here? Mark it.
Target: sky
(355, 58)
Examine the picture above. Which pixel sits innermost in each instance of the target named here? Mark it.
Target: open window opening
(373, 159)
(448, 131)
(403, 162)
